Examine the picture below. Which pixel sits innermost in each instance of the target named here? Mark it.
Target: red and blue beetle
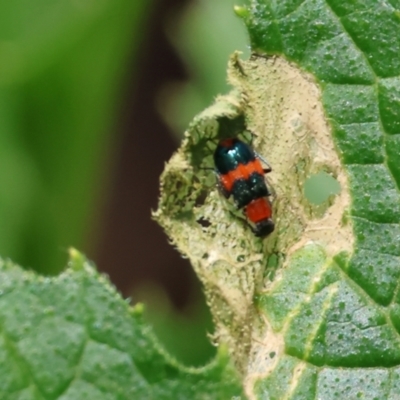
(241, 175)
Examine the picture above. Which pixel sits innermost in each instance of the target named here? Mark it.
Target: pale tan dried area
(282, 106)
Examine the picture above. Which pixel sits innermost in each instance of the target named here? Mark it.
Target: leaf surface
(325, 283)
(73, 337)
(340, 317)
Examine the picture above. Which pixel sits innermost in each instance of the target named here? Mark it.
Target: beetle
(241, 175)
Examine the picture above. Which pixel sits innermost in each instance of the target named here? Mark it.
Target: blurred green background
(61, 64)
(94, 96)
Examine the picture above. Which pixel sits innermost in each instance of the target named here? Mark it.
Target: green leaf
(313, 312)
(74, 337)
(352, 49)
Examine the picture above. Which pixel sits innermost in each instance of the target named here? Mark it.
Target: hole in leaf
(205, 223)
(318, 187)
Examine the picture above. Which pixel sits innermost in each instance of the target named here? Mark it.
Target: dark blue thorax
(230, 153)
